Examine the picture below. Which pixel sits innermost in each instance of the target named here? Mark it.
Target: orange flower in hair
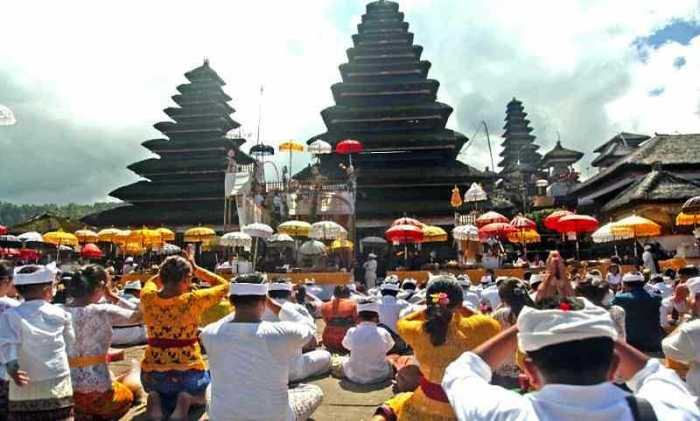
(440, 299)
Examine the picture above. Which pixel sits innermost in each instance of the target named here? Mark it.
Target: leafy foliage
(12, 214)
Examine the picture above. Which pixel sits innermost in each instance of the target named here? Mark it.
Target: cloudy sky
(87, 80)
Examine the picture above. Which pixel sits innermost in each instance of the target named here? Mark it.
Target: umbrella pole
(578, 252)
(255, 254)
(289, 179)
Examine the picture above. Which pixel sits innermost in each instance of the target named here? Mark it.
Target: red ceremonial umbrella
(577, 224)
(91, 251)
(3, 230)
(523, 224)
(348, 147)
(550, 222)
(29, 254)
(490, 218)
(404, 234)
(496, 230)
(408, 221)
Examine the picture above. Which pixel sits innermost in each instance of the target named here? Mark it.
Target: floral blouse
(177, 318)
(93, 336)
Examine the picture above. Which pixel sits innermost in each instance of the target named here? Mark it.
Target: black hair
(635, 284)
(594, 291)
(527, 275)
(389, 292)
(439, 316)
(410, 286)
(341, 291)
(583, 362)
(490, 271)
(688, 271)
(514, 294)
(247, 300)
(670, 273)
(6, 269)
(656, 278)
(279, 295)
(174, 269)
(368, 316)
(86, 281)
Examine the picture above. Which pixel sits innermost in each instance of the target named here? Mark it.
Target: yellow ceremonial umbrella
(86, 236)
(433, 234)
(687, 219)
(199, 235)
(525, 236)
(147, 237)
(61, 238)
(291, 146)
(342, 244)
(107, 235)
(166, 234)
(294, 228)
(122, 237)
(638, 225)
(132, 248)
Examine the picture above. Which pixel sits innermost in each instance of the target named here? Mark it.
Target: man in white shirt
(572, 356)
(370, 268)
(471, 299)
(249, 360)
(303, 364)
(129, 266)
(674, 308)
(648, 259)
(368, 345)
(683, 345)
(390, 309)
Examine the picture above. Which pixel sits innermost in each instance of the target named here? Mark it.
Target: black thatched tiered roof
(519, 149)
(658, 186)
(387, 102)
(560, 155)
(616, 148)
(185, 184)
(678, 154)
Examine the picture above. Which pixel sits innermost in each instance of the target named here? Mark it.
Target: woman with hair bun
(438, 335)
(96, 393)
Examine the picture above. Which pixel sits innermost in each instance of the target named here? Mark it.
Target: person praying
(249, 360)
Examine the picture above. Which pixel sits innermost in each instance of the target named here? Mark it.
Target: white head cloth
(693, 285)
(540, 328)
(43, 275)
(280, 286)
(633, 277)
(389, 286)
(133, 285)
(247, 289)
(368, 306)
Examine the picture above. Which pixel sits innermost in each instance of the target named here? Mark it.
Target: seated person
(389, 309)
(368, 345)
(303, 364)
(571, 357)
(340, 314)
(125, 332)
(249, 360)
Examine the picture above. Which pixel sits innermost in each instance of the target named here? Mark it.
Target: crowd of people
(556, 345)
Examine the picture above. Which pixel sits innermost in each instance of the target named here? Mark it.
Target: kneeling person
(249, 360)
(368, 345)
(302, 365)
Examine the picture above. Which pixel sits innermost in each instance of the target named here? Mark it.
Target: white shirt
(613, 278)
(389, 310)
(490, 296)
(684, 345)
(249, 365)
(648, 260)
(471, 300)
(368, 345)
(294, 313)
(666, 309)
(35, 333)
(6, 303)
(466, 384)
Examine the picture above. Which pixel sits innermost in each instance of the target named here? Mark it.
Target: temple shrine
(386, 101)
(184, 185)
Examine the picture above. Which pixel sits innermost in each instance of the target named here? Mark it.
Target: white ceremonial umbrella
(168, 249)
(475, 194)
(281, 239)
(327, 230)
(320, 147)
(312, 248)
(466, 233)
(257, 230)
(236, 239)
(31, 236)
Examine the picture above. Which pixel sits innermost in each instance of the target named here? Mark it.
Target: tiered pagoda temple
(386, 101)
(185, 184)
(519, 154)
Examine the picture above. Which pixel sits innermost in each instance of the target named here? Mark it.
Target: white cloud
(105, 72)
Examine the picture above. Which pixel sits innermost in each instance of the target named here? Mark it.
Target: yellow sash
(87, 361)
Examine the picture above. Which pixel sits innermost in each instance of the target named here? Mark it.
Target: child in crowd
(368, 345)
(33, 339)
(173, 372)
